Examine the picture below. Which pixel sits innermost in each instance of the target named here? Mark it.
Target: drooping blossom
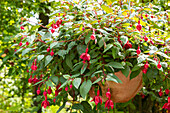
(45, 93)
(139, 27)
(49, 91)
(97, 99)
(52, 30)
(138, 50)
(146, 65)
(20, 44)
(85, 56)
(30, 79)
(167, 91)
(38, 91)
(27, 43)
(93, 37)
(71, 86)
(160, 92)
(109, 102)
(159, 65)
(52, 53)
(22, 28)
(127, 45)
(167, 105)
(48, 49)
(45, 103)
(145, 38)
(66, 88)
(144, 70)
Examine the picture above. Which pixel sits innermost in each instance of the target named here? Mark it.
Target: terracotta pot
(120, 92)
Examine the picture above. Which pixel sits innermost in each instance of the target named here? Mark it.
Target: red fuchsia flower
(45, 93)
(145, 38)
(109, 102)
(22, 28)
(139, 27)
(85, 56)
(130, 25)
(48, 49)
(27, 43)
(166, 52)
(71, 86)
(160, 92)
(167, 105)
(22, 38)
(155, 59)
(93, 37)
(83, 29)
(54, 100)
(30, 79)
(20, 44)
(34, 80)
(66, 89)
(38, 91)
(52, 30)
(144, 70)
(142, 95)
(167, 91)
(97, 99)
(127, 45)
(52, 53)
(45, 103)
(34, 67)
(27, 71)
(146, 65)
(146, 15)
(151, 16)
(159, 65)
(49, 91)
(138, 50)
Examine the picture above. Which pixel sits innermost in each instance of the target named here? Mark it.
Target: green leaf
(115, 65)
(84, 68)
(126, 71)
(77, 82)
(87, 39)
(66, 76)
(26, 51)
(87, 107)
(137, 66)
(163, 54)
(118, 45)
(40, 57)
(103, 31)
(62, 85)
(114, 51)
(48, 59)
(107, 9)
(124, 39)
(49, 83)
(112, 77)
(85, 88)
(61, 107)
(69, 62)
(81, 49)
(62, 53)
(75, 75)
(108, 47)
(78, 106)
(134, 74)
(71, 45)
(54, 44)
(54, 79)
(97, 80)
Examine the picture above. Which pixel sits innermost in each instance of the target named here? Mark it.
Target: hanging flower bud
(71, 86)
(144, 70)
(167, 105)
(66, 89)
(109, 102)
(159, 65)
(38, 91)
(138, 50)
(146, 65)
(160, 93)
(54, 100)
(45, 93)
(145, 38)
(45, 103)
(48, 49)
(139, 27)
(20, 44)
(52, 53)
(52, 30)
(22, 28)
(27, 43)
(92, 37)
(49, 91)
(97, 99)
(167, 91)
(85, 56)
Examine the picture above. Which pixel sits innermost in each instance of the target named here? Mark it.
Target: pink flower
(48, 49)
(71, 86)
(160, 93)
(22, 28)
(20, 44)
(27, 43)
(145, 38)
(54, 100)
(45, 93)
(93, 37)
(52, 30)
(146, 15)
(109, 102)
(146, 65)
(144, 70)
(85, 56)
(167, 91)
(34, 67)
(139, 27)
(38, 91)
(127, 45)
(49, 91)
(138, 50)
(66, 89)
(45, 103)
(52, 53)
(30, 79)
(167, 105)
(97, 99)
(159, 65)
(151, 42)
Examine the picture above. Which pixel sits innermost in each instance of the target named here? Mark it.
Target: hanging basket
(120, 92)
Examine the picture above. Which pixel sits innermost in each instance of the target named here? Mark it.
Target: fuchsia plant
(67, 56)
